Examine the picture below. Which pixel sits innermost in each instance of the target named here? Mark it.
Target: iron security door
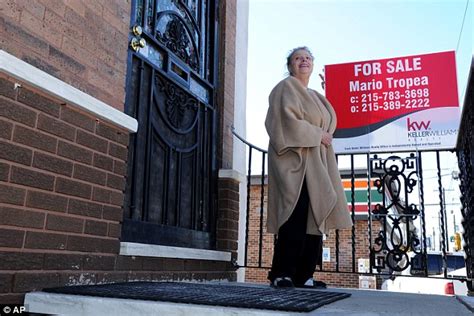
(170, 193)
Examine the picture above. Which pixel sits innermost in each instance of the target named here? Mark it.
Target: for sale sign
(395, 104)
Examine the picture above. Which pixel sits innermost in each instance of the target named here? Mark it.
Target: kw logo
(417, 126)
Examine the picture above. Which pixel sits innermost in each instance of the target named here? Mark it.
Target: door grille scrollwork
(396, 179)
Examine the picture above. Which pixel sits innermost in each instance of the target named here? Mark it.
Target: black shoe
(283, 282)
(312, 284)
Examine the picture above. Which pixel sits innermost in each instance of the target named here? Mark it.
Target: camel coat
(295, 120)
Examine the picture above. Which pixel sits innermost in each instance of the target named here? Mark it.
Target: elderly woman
(305, 195)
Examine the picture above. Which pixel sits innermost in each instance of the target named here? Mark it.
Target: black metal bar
(337, 250)
(148, 136)
(337, 235)
(246, 142)
(248, 206)
(262, 193)
(369, 215)
(353, 214)
(177, 214)
(422, 211)
(441, 213)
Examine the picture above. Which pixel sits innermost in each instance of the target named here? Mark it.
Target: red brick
(116, 198)
(115, 182)
(107, 131)
(123, 138)
(74, 188)
(35, 25)
(26, 282)
(101, 195)
(10, 9)
(93, 9)
(95, 228)
(17, 35)
(17, 113)
(56, 127)
(128, 263)
(74, 49)
(92, 141)
(32, 178)
(58, 7)
(6, 281)
(120, 167)
(42, 64)
(21, 261)
(99, 263)
(21, 218)
(153, 264)
(64, 223)
(4, 171)
(15, 153)
(38, 240)
(62, 261)
(66, 62)
(53, 20)
(35, 139)
(31, 6)
(11, 238)
(46, 201)
(52, 163)
(118, 151)
(114, 230)
(75, 8)
(7, 87)
(78, 119)
(103, 162)
(74, 152)
(12, 195)
(85, 244)
(89, 174)
(113, 213)
(84, 208)
(115, 20)
(6, 129)
(38, 102)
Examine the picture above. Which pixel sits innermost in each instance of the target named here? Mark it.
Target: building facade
(116, 158)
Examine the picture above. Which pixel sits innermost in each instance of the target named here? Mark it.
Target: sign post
(396, 104)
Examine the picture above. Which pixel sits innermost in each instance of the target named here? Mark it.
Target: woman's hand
(326, 139)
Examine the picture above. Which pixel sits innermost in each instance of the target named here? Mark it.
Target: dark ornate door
(170, 193)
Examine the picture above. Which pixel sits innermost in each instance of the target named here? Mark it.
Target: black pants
(296, 253)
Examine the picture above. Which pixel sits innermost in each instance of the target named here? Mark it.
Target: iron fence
(395, 199)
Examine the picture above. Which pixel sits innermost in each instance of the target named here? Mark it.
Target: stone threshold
(146, 250)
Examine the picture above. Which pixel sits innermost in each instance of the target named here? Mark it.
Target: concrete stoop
(79, 305)
(361, 303)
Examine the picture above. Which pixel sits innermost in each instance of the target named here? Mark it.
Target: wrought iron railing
(465, 152)
(399, 190)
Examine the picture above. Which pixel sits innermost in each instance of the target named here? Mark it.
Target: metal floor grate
(211, 294)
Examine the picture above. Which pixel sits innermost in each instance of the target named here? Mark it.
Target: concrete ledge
(31, 75)
(232, 174)
(78, 305)
(146, 250)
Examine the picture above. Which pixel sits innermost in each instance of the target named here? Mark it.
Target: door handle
(136, 43)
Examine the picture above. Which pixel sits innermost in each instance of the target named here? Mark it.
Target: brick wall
(226, 79)
(228, 217)
(62, 174)
(345, 278)
(81, 42)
